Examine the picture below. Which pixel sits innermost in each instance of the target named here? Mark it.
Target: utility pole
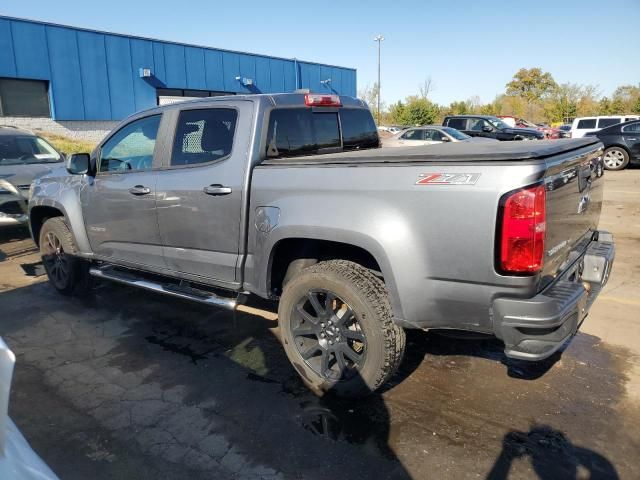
(379, 39)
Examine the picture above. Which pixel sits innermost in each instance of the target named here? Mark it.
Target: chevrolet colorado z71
(288, 197)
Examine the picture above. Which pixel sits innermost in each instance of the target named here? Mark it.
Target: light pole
(379, 39)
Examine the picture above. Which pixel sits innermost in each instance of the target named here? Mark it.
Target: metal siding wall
(175, 66)
(142, 57)
(263, 76)
(95, 79)
(213, 70)
(158, 63)
(7, 60)
(231, 70)
(66, 82)
(30, 50)
(94, 75)
(196, 73)
(120, 76)
(289, 71)
(276, 75)
(247, 70)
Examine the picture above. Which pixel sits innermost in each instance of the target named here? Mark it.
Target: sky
(468, 48)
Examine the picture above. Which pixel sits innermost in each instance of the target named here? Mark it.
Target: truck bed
(445, 152)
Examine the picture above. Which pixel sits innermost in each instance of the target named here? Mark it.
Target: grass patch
(68, 145)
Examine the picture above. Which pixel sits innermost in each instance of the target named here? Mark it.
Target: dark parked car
(490, 127)
(621, 143)
(23, 157)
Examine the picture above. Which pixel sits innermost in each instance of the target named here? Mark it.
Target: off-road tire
(75, 278)
(368, 297)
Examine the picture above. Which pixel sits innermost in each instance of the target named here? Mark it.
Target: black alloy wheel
(328, 336)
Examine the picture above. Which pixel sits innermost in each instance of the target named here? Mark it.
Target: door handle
(216, 190)
(139, 190)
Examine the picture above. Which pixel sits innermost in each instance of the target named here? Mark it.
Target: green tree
(415, 111)
(604, 106)
(636, 107)
(459, 108)
(532, 84)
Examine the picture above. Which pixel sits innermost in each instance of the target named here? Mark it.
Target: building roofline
(182, 44)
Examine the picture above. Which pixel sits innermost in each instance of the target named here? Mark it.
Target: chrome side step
(178, 291)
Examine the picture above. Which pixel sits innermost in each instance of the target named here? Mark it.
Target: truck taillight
(317, 100)
(523, 231)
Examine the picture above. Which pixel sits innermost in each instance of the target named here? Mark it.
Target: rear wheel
(68, 274)
(615, 158)
(338, 329)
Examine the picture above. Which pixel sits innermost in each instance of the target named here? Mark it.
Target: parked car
(428, 135)
(23, 157)
(565, 130)
(490, 127)
(583, 125)
(18, 461)
(621, 143)
(288, 197)
(516, 122)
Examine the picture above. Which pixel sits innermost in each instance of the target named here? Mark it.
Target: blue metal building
(68, 73)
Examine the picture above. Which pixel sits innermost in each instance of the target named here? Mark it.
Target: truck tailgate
(574, 188)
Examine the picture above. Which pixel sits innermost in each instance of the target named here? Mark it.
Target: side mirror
(444, 138)
(77, 163)
(487, 129)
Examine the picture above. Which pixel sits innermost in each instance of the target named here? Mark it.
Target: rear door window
(586, 123)
(203, 136)
(607, 122)
(457, 123)
(634, 128)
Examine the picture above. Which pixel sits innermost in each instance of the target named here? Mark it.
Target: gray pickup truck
(289, 197)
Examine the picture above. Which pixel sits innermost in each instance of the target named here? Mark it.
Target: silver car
(23, 157)
(428, 135)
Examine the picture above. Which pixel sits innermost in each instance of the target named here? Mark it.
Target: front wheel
(68, 274)
(615, 158)
(338, 330)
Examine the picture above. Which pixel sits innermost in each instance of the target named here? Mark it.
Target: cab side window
(131, 148)
(203, 136)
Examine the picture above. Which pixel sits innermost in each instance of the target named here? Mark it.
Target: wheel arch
(40, 214)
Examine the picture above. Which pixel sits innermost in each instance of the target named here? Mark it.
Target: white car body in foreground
(18, 461)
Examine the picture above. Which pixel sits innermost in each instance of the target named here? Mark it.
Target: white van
(582, 125)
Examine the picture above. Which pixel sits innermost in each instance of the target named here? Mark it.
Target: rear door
(413, 136)
(119, 203)
(200, 190)
(631, 138)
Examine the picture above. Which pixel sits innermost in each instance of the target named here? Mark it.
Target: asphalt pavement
(128, 384)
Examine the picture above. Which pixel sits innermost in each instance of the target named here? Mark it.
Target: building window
(166, 96)
(24, 98)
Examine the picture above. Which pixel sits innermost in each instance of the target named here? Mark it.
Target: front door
(119, 203)
(631, 136)
(200, 190)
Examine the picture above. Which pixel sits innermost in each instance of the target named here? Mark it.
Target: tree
(427, 87)
(415, 111)
(636, 106)
(532, 84)
(459, 108)
(370, 96)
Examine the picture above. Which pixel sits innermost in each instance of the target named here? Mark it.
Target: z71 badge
(447, 178)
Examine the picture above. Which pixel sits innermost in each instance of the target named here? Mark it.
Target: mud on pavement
(128, 384)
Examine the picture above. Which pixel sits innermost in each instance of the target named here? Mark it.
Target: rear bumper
(535, 328)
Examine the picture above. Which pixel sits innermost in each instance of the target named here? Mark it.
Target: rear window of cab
(307, 131)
